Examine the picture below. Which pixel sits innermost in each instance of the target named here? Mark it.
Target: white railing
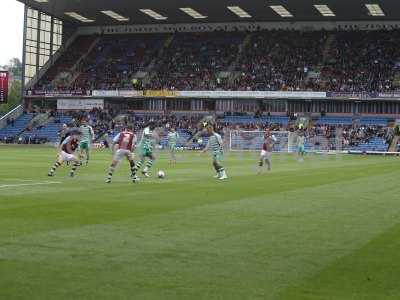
(14, 113)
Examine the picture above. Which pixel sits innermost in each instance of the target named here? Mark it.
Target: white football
(160, 174)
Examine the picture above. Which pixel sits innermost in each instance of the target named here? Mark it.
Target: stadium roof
(112, 12)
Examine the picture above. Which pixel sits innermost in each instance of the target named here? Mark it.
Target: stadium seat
(49, 131)
(20, 124)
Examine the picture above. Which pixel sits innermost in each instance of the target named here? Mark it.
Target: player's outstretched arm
(92, 133)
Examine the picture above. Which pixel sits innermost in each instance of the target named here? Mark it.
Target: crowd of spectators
(363, 61)
(339, 61)
(24, 140)
(194, 61)
(275, 60)
(356, 135)
(62, 67)
(109, 122)
(115, 60)
(324, 137)
(100, 120)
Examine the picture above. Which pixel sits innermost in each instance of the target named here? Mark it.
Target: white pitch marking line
(29, 184)
(23, 180)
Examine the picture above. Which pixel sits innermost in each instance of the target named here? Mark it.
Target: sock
(149, 164)
(133, 168)
(54, 167)
(74, 167)
(138, 165)
(216, 170)
(110, 172)
(221, 171)
(261, 163)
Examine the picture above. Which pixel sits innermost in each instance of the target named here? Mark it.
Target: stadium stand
(278, 60)
(367, 134)
(14, 128)
(362, 61)
(374, 144)
(264, 60)
(48, 132)
(253, 120)
(195, 61)
(378, 121)
(59, 75)
(116, 60)
(335, 121)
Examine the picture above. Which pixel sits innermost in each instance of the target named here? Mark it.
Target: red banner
(3, 86)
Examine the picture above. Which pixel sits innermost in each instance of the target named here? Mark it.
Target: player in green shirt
(86, 141)
(146, 150)
(173, 138)
(301, 141)
(215, 145)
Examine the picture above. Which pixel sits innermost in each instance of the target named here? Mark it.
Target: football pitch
(327, 228)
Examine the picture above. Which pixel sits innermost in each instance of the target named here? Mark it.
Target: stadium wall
(317, 106)
(249, 26)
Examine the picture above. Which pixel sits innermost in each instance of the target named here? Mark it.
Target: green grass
(327, 228)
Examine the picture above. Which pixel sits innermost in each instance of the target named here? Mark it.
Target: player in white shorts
(123, 145)
(266, 152)
(67, 153)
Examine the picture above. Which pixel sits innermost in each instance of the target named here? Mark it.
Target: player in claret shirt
(67, 153)
(123, 145)
(266, 152)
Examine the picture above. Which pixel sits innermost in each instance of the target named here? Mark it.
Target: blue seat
(20, 124)
(49, 131)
